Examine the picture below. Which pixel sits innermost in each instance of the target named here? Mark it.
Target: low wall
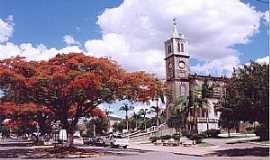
(145, 136)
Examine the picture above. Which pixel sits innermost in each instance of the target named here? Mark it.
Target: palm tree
(200, 102)
(143, 112)
(126, 108)
(205, 93)
(159, 94)
(136, 117)
(195, 104)
(179, 110)
(156, 110)
(107, 113)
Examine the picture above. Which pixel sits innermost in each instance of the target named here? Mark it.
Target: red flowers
(71, 85)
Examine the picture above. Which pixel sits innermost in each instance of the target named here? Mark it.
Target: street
(238, 151)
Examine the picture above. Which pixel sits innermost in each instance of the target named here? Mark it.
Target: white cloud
(39, 52)
(6, 29)
(263, 60)
(69, 40)
(134, 32)
(223, 66)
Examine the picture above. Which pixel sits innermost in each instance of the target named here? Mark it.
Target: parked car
(77, 140)
(88, 140)
(118, 141)
(99, 141)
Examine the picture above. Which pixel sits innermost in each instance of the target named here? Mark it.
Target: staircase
(143, 136)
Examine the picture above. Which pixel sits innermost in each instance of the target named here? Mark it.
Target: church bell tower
(177, 66)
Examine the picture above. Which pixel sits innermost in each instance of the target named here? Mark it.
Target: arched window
(182, 90)
(182, 47)
(178, 47)
(169, 49)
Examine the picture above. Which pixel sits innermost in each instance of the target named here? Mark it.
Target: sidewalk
(192, 150)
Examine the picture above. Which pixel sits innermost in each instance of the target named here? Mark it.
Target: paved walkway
(192, 150)
(218, 148)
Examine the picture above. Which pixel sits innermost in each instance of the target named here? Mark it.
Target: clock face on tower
(181, 65)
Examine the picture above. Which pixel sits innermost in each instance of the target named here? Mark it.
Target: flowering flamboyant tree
(25, 117)
(72, 85)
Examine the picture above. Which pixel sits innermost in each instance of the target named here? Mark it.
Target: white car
(77, 140)
(118, 141)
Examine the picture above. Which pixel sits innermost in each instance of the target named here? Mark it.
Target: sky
(221, 34)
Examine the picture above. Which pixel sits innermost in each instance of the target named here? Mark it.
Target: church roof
(209, 77)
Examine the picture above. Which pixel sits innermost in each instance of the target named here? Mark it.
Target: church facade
(181, 83)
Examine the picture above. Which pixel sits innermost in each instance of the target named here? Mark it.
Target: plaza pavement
(218, 149)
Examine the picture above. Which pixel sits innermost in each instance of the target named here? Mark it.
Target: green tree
(247, 95)
(136, 117)
(178, 114)
(156, 110)
(159, 95)
(206, 90)
(195, 104)
(119, 126)
(108, 112)
(143, 112)
(97, 126)
(126, 108)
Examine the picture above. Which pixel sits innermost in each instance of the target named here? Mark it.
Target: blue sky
(133, 32)
(259, 45)
(47, 22)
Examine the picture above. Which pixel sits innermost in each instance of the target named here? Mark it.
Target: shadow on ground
(255, 151)
(15, 153)
(51, 152)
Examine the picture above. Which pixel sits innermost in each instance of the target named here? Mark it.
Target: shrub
(263, 132)
(211, 133)
(185, 132)
(154, 139)
(166, 137)
(250, 130)
(176, 136)
(196, 137)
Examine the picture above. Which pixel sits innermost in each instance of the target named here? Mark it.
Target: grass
(267, 142)
(204, 144)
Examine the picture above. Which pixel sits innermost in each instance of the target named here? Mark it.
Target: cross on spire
(174, 21)
(175, 32)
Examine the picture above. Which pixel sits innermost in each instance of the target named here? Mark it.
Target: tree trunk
(144, 122)
(207, 123)
(229, 134)
(109, 124)
(196, 120)
(70, 139)
(94, 130)
(179, 137)
(127, 120)
(157, 123)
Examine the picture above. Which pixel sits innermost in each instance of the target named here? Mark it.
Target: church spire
(175, 32)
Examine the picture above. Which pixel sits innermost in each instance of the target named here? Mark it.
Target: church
(181, 83)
